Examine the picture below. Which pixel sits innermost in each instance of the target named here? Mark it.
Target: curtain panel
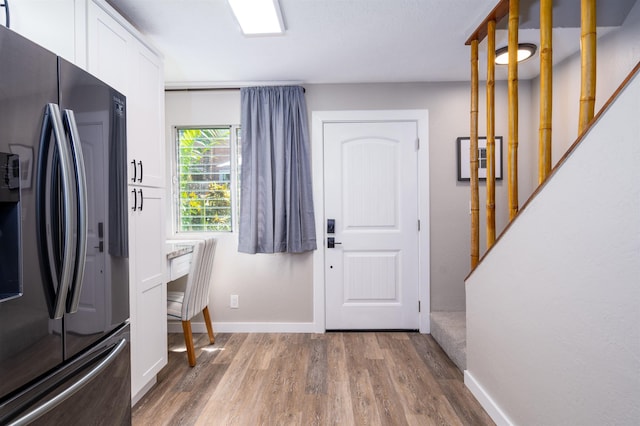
(276, 202)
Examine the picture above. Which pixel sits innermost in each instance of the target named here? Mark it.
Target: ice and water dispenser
(10, 285)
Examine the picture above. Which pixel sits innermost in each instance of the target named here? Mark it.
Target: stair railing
(511, 10)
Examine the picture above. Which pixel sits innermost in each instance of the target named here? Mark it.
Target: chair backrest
(196, 293)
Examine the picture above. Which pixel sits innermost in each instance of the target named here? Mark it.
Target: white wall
(553, 325)
(278, 288)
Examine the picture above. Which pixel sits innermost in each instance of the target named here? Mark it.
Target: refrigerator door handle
(81, 194)
(44, 408)
(60, 281)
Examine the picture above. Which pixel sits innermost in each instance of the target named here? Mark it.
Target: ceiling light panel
(258, 17)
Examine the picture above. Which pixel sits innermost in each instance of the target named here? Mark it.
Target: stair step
(449, 329)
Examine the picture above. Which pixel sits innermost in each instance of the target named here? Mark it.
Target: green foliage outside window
(204, 179)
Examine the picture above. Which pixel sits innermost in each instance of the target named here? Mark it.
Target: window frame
(234, 151)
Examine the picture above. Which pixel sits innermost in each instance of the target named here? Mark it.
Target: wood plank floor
(349, 378)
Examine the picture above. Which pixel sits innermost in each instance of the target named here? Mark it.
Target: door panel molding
(319, 119)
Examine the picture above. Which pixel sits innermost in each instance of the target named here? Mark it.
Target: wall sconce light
(525, 51)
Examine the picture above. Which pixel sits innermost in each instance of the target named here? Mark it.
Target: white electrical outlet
(233, 302)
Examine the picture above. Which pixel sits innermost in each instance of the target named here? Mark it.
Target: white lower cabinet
(148, 286)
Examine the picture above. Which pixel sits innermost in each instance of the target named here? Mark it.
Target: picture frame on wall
(463, 148)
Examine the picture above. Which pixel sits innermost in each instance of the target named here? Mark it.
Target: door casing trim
(421, 118)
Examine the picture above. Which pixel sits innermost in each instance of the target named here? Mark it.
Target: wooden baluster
(491, 134)
(588, 63)
(546, 89)
(512, 161)
(473, 156)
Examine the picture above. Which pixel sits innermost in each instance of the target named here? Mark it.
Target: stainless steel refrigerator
(64, 292)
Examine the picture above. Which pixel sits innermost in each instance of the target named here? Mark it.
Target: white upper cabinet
(57, 25)
(108, 49)
(123, 61)
(148, 152)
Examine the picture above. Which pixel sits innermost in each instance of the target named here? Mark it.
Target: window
(206, 174)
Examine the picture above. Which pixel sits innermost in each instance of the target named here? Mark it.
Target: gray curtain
(276, 202)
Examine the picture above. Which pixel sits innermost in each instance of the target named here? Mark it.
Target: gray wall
(278, 288)
(271, 288)
(448, 105)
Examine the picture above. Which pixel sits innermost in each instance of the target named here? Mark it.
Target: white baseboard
(247, 327)
(485, 400)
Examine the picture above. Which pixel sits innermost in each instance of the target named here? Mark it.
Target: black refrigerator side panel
(30, 342)
(104, 296)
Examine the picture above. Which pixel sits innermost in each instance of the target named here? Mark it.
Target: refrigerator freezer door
(30, 342)
(92, 389)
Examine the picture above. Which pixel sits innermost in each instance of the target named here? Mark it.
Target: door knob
(331, 242)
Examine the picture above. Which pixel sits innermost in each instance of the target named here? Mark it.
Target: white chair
(195, 298)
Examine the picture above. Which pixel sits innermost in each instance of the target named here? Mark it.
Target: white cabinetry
(148, 107)
(118, 56)
(57, 25)
(108, 54)
(148, 286)
(121, 60)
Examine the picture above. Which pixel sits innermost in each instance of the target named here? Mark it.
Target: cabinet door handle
(141, 171)
(141, 199)
(135, 200)
(135, 170)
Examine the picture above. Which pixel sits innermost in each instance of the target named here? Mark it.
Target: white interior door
(371, 191)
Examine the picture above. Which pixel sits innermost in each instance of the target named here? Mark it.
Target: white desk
(179, 254)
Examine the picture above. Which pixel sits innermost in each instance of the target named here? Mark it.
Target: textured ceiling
(326, 41)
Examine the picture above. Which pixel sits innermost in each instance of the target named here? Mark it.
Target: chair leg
(207, 321)
(188, 341)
